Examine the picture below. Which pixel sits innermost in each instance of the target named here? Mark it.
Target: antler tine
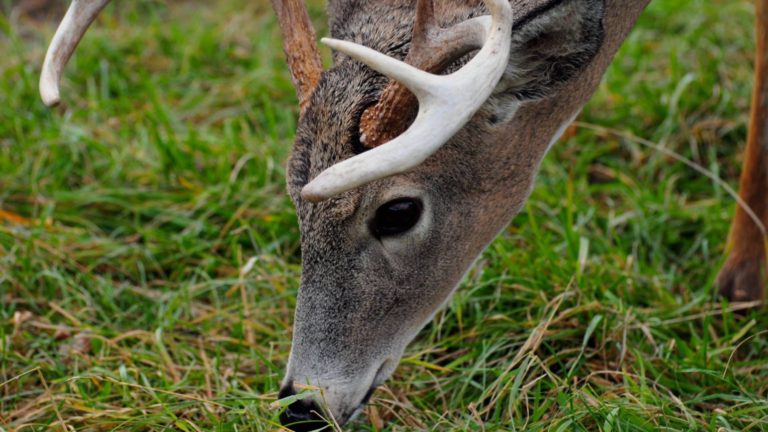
(432, 49)
(446, 104)
(299, 44)
(79, 17)
(411, 77)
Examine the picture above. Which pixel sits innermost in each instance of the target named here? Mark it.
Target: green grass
(128, 214)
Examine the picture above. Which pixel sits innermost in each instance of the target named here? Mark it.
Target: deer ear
(551, 45)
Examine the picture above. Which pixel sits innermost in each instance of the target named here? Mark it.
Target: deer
(417, 147)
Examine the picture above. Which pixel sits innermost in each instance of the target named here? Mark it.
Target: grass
(127, 215)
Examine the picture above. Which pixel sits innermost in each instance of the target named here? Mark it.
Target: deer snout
(302, 415)
(332, 401)
(326, 406)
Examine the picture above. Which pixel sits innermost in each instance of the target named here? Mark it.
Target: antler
(446, 102)
(300, 46)
(432, 50)
(79, 17)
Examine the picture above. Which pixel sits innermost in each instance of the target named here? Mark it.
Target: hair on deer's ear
(551, 45)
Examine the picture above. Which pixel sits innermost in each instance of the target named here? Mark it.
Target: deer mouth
(358, 409)
(380, 377)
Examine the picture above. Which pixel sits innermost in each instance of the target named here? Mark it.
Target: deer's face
(380, 260)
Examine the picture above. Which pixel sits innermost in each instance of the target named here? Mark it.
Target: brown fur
(743, 275)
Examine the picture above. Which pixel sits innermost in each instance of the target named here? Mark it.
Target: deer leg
(743, 276)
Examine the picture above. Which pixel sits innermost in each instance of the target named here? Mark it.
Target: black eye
(396, 217)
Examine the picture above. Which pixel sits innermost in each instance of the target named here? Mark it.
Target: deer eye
(396, 217)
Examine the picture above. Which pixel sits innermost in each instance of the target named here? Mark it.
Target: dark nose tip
(302, 415)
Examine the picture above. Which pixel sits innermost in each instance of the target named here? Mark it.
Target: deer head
(410, 156)
(392, 220)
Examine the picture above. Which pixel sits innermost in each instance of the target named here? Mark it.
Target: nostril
(302, 415)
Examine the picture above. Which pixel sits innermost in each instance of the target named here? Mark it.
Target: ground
(149, 256)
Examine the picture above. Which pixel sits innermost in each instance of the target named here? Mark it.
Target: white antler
(446, 104)
(80, 15)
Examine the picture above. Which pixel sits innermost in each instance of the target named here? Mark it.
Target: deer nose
(302, 415)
